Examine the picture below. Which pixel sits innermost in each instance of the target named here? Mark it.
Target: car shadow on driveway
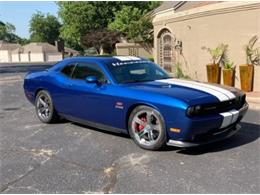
(123, 135)
(248, 133)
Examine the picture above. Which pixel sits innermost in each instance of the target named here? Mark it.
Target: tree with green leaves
(7, 32)
(77, 18)
(80, 18)
(135, 24)
(102, 40)
(44, 28)
(124, 20)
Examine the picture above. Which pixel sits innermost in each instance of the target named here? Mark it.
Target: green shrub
(151, 59)
(179, 72)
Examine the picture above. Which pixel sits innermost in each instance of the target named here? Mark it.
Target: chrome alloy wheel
(43, 107)
(147, 127)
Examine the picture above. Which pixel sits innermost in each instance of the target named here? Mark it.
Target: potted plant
(229, 73)
(218, 56)
(247, 70)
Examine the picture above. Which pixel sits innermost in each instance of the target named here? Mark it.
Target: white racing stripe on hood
(222, 90)
(220, 94)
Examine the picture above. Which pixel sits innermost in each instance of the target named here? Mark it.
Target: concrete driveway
(71, 158)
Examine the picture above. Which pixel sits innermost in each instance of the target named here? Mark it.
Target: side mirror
(91, 79)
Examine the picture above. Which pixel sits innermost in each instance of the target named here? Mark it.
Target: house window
(132, 51)
(166, 50)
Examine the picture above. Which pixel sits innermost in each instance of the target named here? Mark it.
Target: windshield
(137, 71)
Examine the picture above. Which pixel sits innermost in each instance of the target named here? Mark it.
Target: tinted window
(84, 70)
(137, 71)
(68, 69)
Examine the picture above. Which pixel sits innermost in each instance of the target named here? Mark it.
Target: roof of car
(106, 59)
(111, 60)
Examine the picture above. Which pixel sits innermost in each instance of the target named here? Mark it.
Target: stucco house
(181, 29)
(133, 49)
(33, 52)
(70, 52)
(36, 52)
(6, 51)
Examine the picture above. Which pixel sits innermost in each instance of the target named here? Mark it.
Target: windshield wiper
(167, 78)
(138, 81)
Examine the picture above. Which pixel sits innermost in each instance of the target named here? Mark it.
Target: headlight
(194, 110)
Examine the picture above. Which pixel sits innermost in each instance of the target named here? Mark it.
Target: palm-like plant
(229, 65)
(252, 53)
(218, 54)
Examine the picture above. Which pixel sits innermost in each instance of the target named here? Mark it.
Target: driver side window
(83, 70)
(68, 69)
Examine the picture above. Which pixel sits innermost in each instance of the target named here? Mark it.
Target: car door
(61, 89)
(89, 101)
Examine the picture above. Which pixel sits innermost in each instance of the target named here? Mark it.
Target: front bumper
(217, 137)
(211, 137)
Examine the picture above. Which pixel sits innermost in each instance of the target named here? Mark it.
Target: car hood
(192, 92)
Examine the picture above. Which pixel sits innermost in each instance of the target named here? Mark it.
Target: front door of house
(166, 51)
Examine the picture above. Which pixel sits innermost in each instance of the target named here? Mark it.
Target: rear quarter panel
(33, 82)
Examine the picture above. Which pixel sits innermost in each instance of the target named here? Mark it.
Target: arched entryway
(166, 51)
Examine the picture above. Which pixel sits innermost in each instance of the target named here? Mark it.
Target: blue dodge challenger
(135, 96)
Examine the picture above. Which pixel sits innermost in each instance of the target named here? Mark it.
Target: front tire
(44, 107)
(147, 128)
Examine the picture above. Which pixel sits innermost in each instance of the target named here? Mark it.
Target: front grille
(218, 107)
(241, 100)
(225, 106)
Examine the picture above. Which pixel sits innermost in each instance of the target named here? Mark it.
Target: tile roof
(8, 46)
(69, 50)
(182, 5)
(37, 48)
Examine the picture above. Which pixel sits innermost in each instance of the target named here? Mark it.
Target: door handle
(70, 85)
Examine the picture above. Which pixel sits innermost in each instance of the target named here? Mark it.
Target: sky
(19, 13)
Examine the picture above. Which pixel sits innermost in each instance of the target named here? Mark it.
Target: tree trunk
(101, 50)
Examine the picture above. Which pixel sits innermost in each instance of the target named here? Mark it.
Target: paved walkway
(253, 98)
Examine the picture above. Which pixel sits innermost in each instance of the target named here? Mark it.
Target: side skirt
(94, 124)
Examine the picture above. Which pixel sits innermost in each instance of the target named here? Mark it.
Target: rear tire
(147, 128)
(44, 107)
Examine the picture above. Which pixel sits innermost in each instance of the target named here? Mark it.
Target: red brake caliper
(139, 126)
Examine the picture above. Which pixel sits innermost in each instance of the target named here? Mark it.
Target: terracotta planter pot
(229, 77)
(213, 73)
(246, 77)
